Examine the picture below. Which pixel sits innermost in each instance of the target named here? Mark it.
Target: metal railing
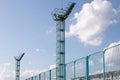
(102, 65)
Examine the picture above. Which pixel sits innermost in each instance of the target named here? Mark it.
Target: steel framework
(59, 16)
(18, 59)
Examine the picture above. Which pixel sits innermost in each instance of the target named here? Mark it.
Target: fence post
(44, 75)
(87, 67)
(39, 76)
(32, 78)
(74, 70)
(49, 74)
(104, 64)
(64, 71)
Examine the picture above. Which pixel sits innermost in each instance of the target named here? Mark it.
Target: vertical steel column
(36, 77)
(103, 64)
(44, 75)
(74, 70)
(60, 49)
(64, 71)
(31, 78)
(17, 70)
(39, 76)
(87, 68)
(49, 74)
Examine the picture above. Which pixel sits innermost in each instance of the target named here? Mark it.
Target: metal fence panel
(47, 75)
(53, 74)
(112, 62)
(43, 76)
(37, 77)
(70, 71)
(103, 65)
(80, 69)
(96, 66)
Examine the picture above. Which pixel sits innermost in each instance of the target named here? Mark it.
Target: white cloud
(81, 65)
(91, 63)
(50, 30)
(40, 50)
(28, 73)
(37, 50)
(29, 62)
(92, 21)
(5, 73)
(2, 71)
(53, 66)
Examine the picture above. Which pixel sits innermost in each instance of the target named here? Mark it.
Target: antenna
(18, 59)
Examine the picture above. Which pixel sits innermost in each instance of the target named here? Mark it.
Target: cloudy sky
(27, 26)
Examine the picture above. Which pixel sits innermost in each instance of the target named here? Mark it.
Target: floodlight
(18, 58)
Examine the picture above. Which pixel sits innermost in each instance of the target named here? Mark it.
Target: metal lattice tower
(18, 58)
(59, 16)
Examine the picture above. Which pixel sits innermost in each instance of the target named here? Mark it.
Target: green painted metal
(93, 67)
(44, 76)
(49, 74)
(39, 75)
(103, 58)
(64, 71)
(32, 78)
(87, 67)
(74, 70)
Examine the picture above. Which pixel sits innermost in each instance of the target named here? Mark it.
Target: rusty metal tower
(59, 15)
(18, 59)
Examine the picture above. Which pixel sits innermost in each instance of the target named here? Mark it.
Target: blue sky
(27, 26)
